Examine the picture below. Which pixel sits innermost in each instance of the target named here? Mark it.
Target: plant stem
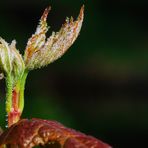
(22, 88)
(15, 98)
(9, 87)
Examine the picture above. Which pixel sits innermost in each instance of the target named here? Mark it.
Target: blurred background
(100, 86)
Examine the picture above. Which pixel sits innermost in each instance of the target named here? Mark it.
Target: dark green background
(100, 86)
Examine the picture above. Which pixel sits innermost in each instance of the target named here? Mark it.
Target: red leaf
(34, 132)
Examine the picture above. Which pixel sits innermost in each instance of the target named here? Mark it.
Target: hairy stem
(15, 98)
(9, 87)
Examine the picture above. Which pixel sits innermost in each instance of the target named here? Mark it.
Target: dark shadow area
(50, 145)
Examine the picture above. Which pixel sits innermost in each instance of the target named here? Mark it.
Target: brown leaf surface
(34, 132)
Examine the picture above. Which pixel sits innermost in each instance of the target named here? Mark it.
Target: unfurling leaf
(38, 132)
(40, 53)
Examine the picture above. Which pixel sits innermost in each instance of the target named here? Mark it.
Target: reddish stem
(15, 113)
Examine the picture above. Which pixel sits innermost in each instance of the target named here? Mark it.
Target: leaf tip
(45, 13)
(81, 15)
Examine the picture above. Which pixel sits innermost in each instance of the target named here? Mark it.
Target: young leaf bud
(11, 61)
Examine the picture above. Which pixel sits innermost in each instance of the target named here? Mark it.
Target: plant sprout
(40, 51)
